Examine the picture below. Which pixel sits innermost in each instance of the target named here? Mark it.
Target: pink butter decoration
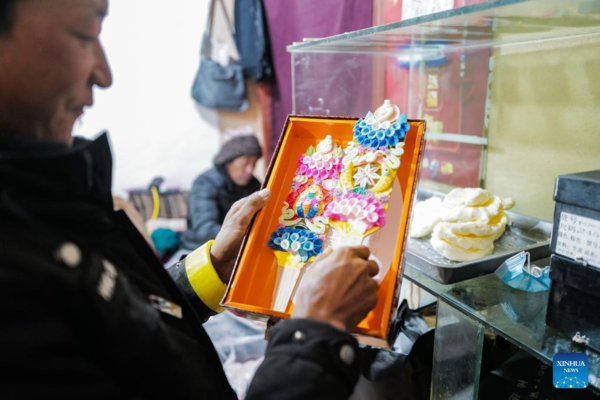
(319, 169)
(355, 206)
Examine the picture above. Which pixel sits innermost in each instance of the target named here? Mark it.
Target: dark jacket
(80, 295)
(212, 195)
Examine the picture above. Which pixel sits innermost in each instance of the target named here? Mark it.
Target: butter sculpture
(347, 190)
(302, 226)
(469, 220)
(370, 165)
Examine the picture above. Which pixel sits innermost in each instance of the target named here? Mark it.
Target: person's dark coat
(212, 195)
(82, 299)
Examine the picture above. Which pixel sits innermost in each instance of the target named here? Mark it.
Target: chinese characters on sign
(579, 238)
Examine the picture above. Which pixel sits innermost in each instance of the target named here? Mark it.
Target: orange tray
(250, 290)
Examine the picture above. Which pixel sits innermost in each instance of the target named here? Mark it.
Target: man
(87, 310)
(214, 192)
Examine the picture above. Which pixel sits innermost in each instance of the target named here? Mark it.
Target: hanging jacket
(82, 298)
(252, 39)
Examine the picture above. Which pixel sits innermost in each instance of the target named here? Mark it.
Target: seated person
(214, 191)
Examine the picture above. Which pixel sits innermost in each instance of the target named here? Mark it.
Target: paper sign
(579, 238)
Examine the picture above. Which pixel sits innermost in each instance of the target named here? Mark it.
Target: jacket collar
(82, 171)
(223, 172)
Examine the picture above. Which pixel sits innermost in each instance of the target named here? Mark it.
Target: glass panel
(484, 25)
(505, 118)
(515, 315)
(332, 84)
(456, 355)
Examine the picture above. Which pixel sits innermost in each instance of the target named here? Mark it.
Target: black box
(574, 300)
(577, 198)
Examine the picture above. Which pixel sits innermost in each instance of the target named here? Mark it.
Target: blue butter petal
(380, 134)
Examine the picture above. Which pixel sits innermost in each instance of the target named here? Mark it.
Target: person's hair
(7, 14)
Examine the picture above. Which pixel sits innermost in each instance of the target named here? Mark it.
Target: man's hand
(339, 288)
(227, 244)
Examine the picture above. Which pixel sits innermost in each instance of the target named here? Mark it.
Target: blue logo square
(570, 370)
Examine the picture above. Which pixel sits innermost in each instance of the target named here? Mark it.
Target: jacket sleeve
(307, 360)
(204, 210)
(198, 281)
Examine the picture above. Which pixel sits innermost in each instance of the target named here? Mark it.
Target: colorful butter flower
(382, 130)
(301, 222)
(366, 176)
(371, 162)
(301, 243)
(361, 211)
(320, 166)
(366, 136)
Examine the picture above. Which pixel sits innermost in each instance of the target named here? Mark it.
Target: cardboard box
(250, 290)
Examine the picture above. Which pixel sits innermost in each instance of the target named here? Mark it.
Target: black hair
(7, 14)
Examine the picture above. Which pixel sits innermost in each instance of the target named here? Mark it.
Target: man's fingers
(360, 252)
(253, 203)
(372, 268)
(237, 206)
(264, 193)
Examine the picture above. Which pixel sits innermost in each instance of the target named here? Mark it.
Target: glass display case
(510, 90)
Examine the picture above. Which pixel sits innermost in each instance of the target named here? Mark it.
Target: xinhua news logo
(570, 370)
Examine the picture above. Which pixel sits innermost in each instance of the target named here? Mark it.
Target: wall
(155, 127)
(545, 120)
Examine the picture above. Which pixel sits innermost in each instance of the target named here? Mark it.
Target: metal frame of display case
(465, 309)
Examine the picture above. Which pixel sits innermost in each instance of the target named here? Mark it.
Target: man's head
(239, 156)
(50, 60)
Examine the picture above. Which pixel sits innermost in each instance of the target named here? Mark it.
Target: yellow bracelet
(203, 277)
